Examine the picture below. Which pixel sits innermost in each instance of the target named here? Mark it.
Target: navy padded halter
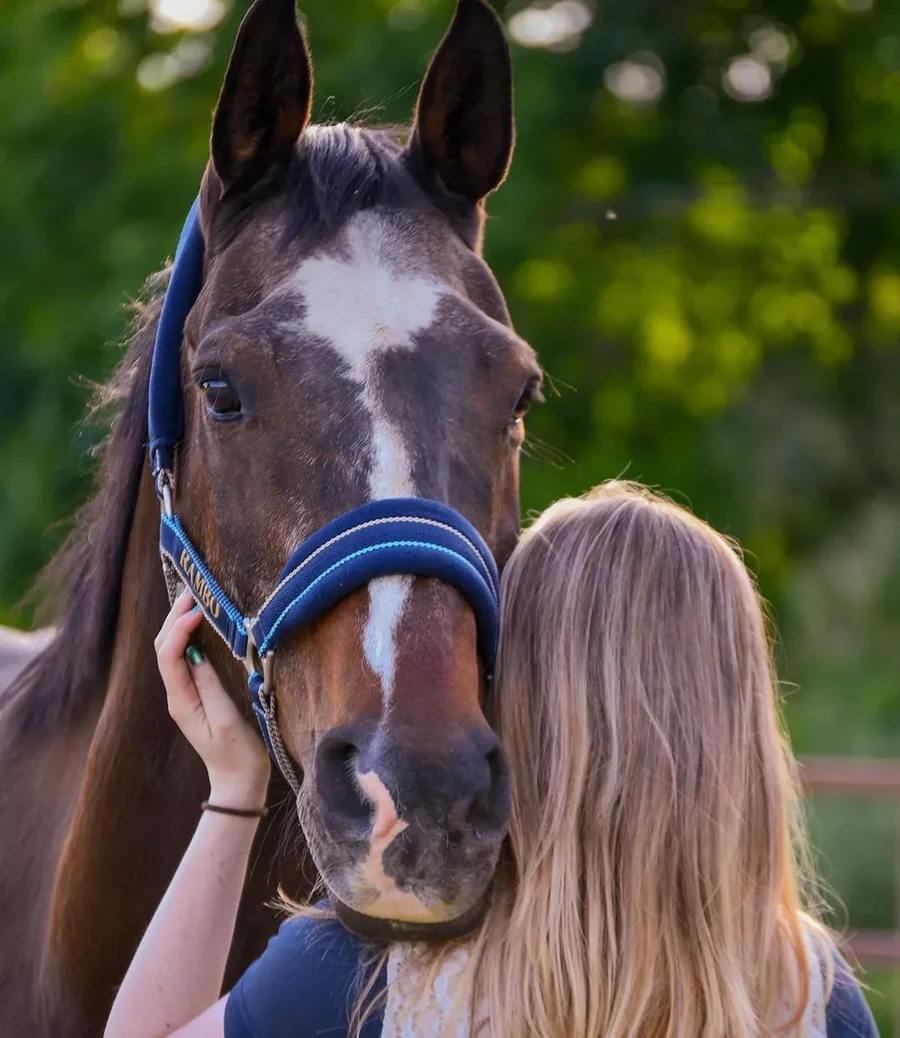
(379, 539)
(393, 537)
(166, 408)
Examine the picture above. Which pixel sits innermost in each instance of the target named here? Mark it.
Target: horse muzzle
(409, 835)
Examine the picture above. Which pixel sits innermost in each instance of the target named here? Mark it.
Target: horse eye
(530, 393)
(221, 399)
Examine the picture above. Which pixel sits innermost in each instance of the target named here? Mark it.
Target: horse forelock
(336, 171)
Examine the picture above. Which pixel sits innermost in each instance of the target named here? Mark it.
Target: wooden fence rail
(869, 779)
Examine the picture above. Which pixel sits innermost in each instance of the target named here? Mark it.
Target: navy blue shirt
(306, 984)
(847, 1014)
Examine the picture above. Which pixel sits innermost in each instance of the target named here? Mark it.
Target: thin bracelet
(237, 812)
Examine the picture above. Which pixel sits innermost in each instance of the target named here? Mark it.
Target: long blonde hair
(654, 887)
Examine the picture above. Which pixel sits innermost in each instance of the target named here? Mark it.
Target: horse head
(349, 344)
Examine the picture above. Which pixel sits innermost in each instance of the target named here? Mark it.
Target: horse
(348, 344)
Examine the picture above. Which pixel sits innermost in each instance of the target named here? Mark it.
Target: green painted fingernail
(194, 655)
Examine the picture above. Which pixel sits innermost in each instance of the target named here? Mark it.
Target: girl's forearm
(178, 969)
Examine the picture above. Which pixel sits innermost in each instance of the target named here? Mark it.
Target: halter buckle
(165, 487)
(256, 664)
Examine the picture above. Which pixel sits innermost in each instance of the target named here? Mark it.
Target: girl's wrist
(238, 794)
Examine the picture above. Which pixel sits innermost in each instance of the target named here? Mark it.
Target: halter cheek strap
(166, 401)
(181, 556)
(397, 536)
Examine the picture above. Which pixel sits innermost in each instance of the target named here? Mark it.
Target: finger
(223, 718)
(181, 693)
(170, 657)
(221, 710)
(180, 632)
(181, 605)
(186, 710)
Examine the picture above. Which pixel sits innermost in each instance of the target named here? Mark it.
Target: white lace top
(410, 1012)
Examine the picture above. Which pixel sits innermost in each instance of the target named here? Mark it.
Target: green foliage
(713, 282)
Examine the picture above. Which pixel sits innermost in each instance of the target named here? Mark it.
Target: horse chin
(374, 928)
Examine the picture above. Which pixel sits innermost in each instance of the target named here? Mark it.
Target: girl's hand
(232, 750)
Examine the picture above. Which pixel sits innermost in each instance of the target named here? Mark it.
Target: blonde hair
(655, 883)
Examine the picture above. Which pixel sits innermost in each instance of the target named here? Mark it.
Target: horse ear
(464, 119)
(266, 96)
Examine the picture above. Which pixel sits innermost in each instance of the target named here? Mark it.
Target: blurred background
(699, 235)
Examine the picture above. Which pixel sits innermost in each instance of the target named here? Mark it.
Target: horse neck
(138, 804)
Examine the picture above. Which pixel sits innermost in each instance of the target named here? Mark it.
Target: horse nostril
(489, 807)
(336, 780)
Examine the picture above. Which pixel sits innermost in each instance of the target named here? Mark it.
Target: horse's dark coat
(99, 792)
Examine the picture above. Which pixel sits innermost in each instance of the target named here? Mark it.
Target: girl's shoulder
(306, 982)
(836, 1006)
(847, 1014)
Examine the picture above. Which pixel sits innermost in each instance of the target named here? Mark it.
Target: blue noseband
(412, 536)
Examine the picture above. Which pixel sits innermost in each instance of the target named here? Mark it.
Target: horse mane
(78, 592)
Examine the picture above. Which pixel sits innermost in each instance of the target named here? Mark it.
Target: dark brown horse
(348, 344)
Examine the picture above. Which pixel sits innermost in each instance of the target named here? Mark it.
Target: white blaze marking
(364, 306)
(387, 599)
(390, 902)
(386, 823)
